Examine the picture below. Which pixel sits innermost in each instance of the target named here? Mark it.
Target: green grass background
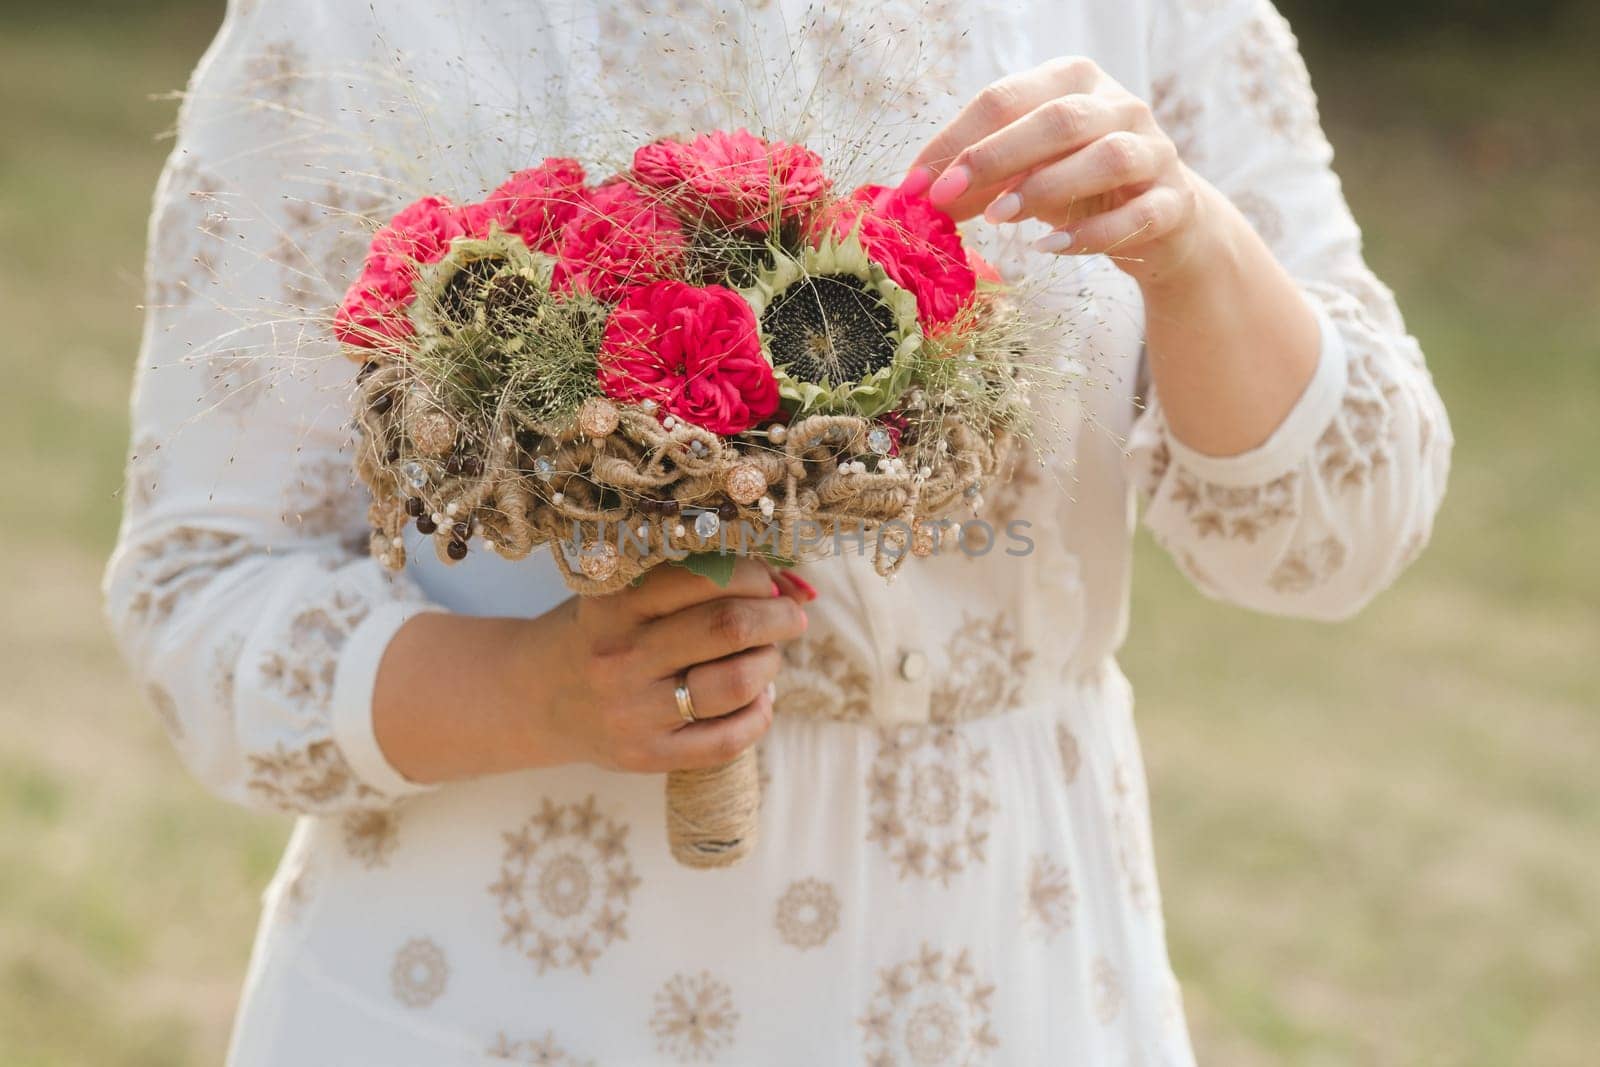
(1380, 842)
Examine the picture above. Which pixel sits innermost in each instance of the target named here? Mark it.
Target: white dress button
(913, 665)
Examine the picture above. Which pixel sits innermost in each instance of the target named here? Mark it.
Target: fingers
(1001, 104)
(718, 628)
(1070, 189)
(714, 742)
(1121, 231)
(724, 686)
(1058, 127)
(669, 589)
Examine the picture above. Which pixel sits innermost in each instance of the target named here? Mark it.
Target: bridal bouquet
(712, 353)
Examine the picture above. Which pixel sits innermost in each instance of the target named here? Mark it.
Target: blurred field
(1378, 841)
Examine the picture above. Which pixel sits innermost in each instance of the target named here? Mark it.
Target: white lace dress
(955, 864)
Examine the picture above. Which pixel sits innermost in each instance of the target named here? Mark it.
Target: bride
(955, 861)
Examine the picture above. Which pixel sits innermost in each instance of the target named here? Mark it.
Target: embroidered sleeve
(240, 588)
(1329, 510)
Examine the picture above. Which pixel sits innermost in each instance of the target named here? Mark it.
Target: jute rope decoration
(639, 373)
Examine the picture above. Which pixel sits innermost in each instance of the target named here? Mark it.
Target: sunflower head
(495, 283)
(839, 333)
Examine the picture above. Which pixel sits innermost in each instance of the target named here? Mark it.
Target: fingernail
(916, 181)
(951, 184)
(775, 590)
(1004, 207)
(805, 587)
(1056, 241)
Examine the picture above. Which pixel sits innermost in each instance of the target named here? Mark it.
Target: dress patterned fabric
(955, 865)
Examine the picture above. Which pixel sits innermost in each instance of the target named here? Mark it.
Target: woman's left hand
(1065, 143)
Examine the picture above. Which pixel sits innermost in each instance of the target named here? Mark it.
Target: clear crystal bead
(415, 475)
(544, 467)
(707, 523)
(879, 441)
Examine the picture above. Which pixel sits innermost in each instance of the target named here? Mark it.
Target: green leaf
(717, 566)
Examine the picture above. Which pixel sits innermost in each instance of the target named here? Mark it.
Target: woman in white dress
(955, 863)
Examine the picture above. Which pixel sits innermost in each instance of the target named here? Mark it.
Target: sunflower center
(511, 302)
(463, 292)
(829, 329)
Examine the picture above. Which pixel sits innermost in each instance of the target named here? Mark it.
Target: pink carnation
(735, 176)
(618, 238)
(421, 232)
(695, 351)
(917, 245)
(534, 204)
(373, 313)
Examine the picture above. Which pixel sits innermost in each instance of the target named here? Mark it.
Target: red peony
(917, 245)
(695, 351)
(735, 176)
(617, 238)
(534, 204)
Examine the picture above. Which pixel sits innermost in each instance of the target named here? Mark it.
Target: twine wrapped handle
(713, 815)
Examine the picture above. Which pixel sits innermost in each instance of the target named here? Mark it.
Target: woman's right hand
(602, 672)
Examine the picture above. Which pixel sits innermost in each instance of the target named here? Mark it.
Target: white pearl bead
(678, 530)
(398, 542)
(438, 519)
(557, 498)
(452, 508)
(777, 432)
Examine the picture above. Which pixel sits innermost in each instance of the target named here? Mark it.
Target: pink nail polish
(916, 181)
(1004, 207)
(951, 184)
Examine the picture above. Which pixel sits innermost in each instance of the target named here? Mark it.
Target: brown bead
(425, 524)
(472, 466)
(366, 371)
(456, 550)
(382, 403)
(393, 455)
(414, 506)
(728, 510)
(453, 465)
(461, 531)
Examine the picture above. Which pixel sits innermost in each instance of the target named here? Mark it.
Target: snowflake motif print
(420, 973)
(1135, 853)
(989, 665)
(930, 1011)
(808, 913)
(1105, 991)
(822, 678)
(565, 885)
(370, 836)
(1049, 898)
(930, 805)
(694, 1018)
(545, 1052)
